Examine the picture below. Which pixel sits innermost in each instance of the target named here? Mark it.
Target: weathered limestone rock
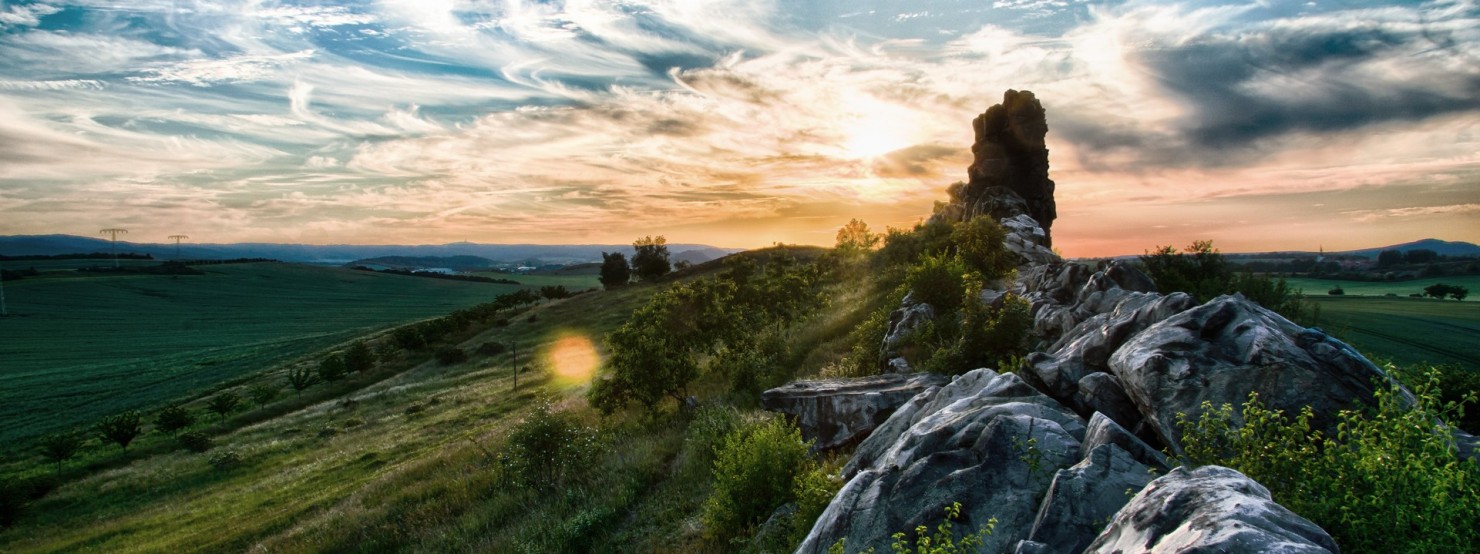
(902, 322)
(1102, 430)
(988, 441)
(1209, 509)
(1009, 152)
(839, 412)
(1225, 349)
(1101, 393)
(1083, 497)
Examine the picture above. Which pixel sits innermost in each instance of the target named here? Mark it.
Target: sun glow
(573, 358)
(873, 128)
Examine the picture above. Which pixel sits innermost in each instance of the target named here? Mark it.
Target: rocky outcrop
(1009, 153)
(988, 441)
(1224, 350)
(1083, 497)
(1209, 509)
(839, 412)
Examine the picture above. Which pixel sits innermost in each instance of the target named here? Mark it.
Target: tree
(655, 354)
(554, 292)
(120, 429)
(1388, 258)
(172, 419)
(61, 447)
(614, 270)
(223, 404)
(359, 358)
(300, 378)
(1459, 293)
(262, 393)
(332, 368)
(1420, 256)
(651, 260)
(855, 238)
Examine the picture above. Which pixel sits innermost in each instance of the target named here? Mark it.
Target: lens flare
(573, 358)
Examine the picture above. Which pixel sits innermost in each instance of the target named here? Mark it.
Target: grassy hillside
(377, 468)
(80, 347)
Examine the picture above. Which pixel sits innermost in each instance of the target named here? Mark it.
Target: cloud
(205, 72)
(25, 15)
(1371, 216)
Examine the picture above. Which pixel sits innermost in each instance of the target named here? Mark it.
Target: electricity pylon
(177, 239)
(114, 233)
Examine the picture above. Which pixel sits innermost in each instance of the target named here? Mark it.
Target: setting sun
(573, 359)
(875, 128)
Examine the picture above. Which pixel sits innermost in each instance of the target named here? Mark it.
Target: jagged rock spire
(1009, 153)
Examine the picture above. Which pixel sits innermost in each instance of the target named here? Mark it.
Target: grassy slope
(1403, 329)
(78, 348)
(386, 477)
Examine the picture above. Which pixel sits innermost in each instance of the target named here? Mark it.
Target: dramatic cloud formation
(731, 122)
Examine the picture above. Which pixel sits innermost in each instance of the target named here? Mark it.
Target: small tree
(651, 260)
(173, 418)
(1459, 293)
(262, 393)
(614, 270)
(223, 404)
(120, 429)
(1389, 258)
(554, 292)
(300, 378)
(60, 447)
(359, 358)
(332, 368)
(855, 238)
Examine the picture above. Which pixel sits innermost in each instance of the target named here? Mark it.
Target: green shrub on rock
(755, 471)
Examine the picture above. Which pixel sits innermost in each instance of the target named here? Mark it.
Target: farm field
(80, 347)
(1318, 287)
(1405, 330)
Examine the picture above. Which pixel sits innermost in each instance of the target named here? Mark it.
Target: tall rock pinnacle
(1009, 152)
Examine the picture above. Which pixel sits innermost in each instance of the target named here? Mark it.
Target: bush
(755, 471)
(120, 429)
(554, 292)
(942, 542)
(1388, 481)
(262, 393)
(979, 244)
(359, 358)
(173, 418)
(332, 368)
(195, 441)
(60, 447)
(549, 447)
(225, 460)
(492, 348)
(938, 280)
(448, 355)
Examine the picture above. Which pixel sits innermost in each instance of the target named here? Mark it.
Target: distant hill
(20, 245)
(460, 263)
(699, 255)
(1442, 247)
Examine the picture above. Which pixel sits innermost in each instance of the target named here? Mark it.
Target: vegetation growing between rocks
(1388, 481)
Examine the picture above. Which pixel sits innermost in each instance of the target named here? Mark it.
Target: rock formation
(839, 412)
(1052, 451)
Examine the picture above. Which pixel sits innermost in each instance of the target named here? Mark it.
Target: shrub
(707, 431)
(225, 460)
(755, 471)
(938, 280)
(814, 490)
(358, 358)
(223, 404)
(448, 355)
(492, 348)
(549, 447)
(332, 368)
(120, 429)
(979, 244)
(195, 441)
(554, 292)
(173, 418)
(1388, 481)
(942, 542)
(614, 270)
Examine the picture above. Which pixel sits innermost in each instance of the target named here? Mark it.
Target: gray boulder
(902, 322)
(1209, 509)
(1225, 349)
(1102, 430)
(1101, 393)
(839, 412)
(988, 441)
(1084, 497)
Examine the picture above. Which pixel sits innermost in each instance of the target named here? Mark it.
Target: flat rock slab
(839, 412)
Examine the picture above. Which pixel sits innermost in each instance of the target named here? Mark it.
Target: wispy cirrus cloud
(736, 123)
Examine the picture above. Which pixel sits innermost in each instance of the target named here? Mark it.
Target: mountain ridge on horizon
(32, 245)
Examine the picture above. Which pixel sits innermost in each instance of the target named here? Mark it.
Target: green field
(1318, 287)
(1406, 330)
(80, 347)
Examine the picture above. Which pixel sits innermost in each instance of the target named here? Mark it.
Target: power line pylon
(114, 234)
(177, 239)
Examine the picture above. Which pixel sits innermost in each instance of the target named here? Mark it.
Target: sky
(737, 123)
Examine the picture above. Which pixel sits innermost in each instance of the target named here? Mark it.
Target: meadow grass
(1405, 330)
(78, 348)
(1319, 287)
